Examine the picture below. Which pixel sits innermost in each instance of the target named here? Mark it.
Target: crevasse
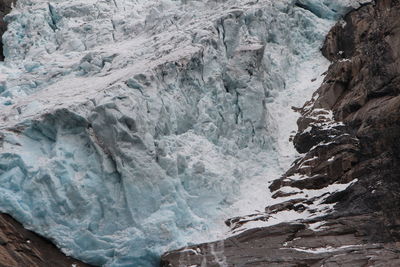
(131, 127)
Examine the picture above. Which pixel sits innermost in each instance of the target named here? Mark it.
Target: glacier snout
(131, 126)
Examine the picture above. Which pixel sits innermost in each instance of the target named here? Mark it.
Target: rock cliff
(348, 134)
(20, 247)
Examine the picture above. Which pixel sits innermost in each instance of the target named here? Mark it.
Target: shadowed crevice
(5, 8)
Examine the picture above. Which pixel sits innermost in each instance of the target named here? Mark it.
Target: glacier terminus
(132, 127)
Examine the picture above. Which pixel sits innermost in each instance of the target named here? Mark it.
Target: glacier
(131, 127)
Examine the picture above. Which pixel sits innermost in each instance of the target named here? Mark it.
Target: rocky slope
(349, 135)
(20, 247)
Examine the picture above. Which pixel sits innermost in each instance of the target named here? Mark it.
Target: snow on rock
(327, 249)
(130, 127)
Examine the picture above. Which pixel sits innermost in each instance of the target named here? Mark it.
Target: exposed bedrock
(20, 247)
(349, 133)
(293, 244)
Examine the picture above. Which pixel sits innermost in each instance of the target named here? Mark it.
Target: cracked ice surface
(130, 127)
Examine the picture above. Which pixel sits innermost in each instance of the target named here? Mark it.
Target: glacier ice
(130, 127)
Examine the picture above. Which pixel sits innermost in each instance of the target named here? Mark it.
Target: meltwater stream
(131, 127)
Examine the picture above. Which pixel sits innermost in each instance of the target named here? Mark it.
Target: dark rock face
(369, 104)
(350, 134)
(292, 245)
(20, 247)
(5, 8)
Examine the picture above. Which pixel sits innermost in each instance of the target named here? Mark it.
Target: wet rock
(334, 242)
(20, 247)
